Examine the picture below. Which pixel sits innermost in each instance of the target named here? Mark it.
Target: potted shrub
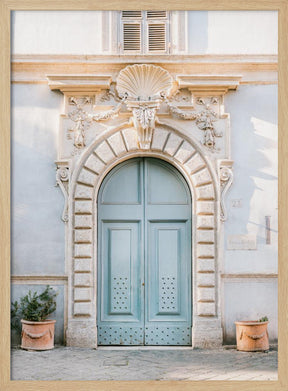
(252, 335)
(33, 310)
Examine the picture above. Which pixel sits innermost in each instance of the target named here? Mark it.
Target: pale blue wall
(37, 230)
(253, 111)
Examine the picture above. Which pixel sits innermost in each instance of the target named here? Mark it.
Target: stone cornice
(254, 69)
(206, 58)
(219, 84)
(79, 83)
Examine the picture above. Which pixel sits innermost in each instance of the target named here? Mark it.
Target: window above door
(144, 32)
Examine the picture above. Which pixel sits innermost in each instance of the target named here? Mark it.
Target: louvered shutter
(144, 31)
(156, 14)
(131, 22)
(157, 37)
(131, 36)
(132, 14)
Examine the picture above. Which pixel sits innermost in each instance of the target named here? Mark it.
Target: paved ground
(65, 363)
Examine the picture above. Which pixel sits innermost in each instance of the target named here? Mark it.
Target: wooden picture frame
(10, 5)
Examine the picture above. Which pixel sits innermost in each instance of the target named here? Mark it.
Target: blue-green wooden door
(144, 255)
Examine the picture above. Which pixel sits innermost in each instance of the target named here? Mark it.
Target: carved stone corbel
(144, 118)
(226, 179)
(62, 180)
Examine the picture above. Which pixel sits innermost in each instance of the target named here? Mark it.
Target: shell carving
(143, 82)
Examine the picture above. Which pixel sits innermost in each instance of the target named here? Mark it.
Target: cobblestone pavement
(64, 363)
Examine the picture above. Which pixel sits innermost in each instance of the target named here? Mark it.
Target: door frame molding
(107, 326)
(188, 157)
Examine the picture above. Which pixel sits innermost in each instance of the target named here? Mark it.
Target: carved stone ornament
(226, 179)
(83, 119)
(204, 119)
(80, 117)
(62, 180)
(144, 87)
(144, 122)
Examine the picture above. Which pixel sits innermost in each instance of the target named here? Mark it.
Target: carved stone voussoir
(62, 180)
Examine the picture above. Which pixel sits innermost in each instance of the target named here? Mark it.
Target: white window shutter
(144, 32)
(156, 14)
(131, 36)
(131, 14)
(157, 37)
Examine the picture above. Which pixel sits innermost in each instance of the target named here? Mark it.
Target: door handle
(143, 283)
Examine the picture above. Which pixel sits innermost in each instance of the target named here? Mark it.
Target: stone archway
(109, 150)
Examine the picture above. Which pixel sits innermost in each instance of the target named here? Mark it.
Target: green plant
(33, 306)
(15, 321)
(264, 319)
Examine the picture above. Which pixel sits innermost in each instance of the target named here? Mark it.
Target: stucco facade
(214, 118)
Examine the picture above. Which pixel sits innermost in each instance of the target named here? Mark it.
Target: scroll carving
(226, 179)
(62, 180)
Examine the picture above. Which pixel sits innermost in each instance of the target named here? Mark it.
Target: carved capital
(226, 179)
(62, 180)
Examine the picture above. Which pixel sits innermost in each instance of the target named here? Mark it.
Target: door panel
(144, 271)
(121, 298)
(124, 185)
(169, 190)
(168, 308)
(120, 253)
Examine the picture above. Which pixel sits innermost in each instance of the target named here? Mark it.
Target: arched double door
(144, 255)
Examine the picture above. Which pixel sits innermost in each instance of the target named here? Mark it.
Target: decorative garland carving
(62, 180)
(204, 120)
(83, 119)
(143, 87)
(181, 113)
(226, 179)
(105, 115)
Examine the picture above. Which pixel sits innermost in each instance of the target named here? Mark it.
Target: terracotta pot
(252, 336)
(37, 335)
